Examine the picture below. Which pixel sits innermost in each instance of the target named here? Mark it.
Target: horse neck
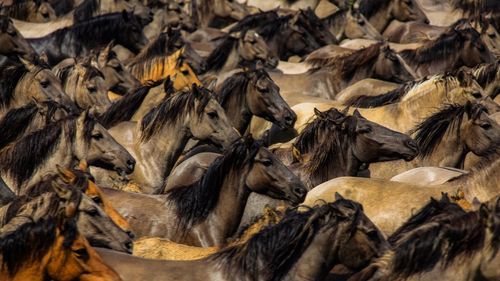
(232, 61)
(21, 95)
(450, 152)
(35, 271)
(233, 196)
(439, 65)
(481, 184)
(237, 109)
(316, 260)
(381, 19)
(164, 148)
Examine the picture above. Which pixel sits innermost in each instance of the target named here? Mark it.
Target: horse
(462, 46)
(150, 66)
(248, 93)
(238, 49)
(65, 143)
(488, 76)
(304, 243)
(461, 245)
(93, 222)
(190, 113)
(39, 239)
(11, 43)
(19, 122)
(86, 10)
(329, 76)
(481, 183)
(197, 214)
(21, 83)
(162, 248)
(350, 24)
(381, 12)
(369, 100)
(117, 79)
(84, 84)
(79, 39)
(290, 35)
(424, 99)
(28, 10)
(216, 12)
(446, 137)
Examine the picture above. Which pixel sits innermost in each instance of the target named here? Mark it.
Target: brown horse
(84, 84)
(191, 114)
(39, 240)
(389, 204)
(461, 245)
(65, 143)
(19, 84)
(462, 46)
(198, 214)
(93, 222)
(246, 48)
(162, 248)
(253, 93)
(11, 42)
(381, 12)
(445, 138)
(329, 76)
(304, 243)
(29, 10)
(488, 76)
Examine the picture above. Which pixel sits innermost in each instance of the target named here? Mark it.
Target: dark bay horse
(208, 211)
(65, 143)
(11, 42)
(77, 40)
(252, 92)
(39, 239)
(306, 244)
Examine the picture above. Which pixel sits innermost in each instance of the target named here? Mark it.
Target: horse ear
(61, 191)
(444, 198)
(318, 113)
(235, 35)
(65, 174)
(484, 212)
(27, 64)
(357, 114)
(168, 86)
(83, 165)
(125, 15)
(82, 118)
(338, 196)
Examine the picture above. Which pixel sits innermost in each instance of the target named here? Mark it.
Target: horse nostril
(412, 144)
(131, 163)
(130, 246)
(300, 191)
(130, 234)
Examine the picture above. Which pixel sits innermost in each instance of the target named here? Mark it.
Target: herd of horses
(249, 140)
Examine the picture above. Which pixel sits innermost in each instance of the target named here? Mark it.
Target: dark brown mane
(174, 108)
(275, 249)
(390, 97)
(162, 46)
(430, 132)
(442, 241)
(370, 7)
(195, 202)
(10, 75)
(349, 63)
(237, 84)
(22, 159)
(484, 74)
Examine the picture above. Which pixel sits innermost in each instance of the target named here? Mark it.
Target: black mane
(32, 240)
(124, 108)
(10, 75)
(484, 74)
(390, 97)
(265, 23)
(23, 158)
(85, 10)
(441, 241)
(369, 7)
(447, 43)
(237, 84)
(218, 57)
(194, 203)
(430, 132)
(279, 246)
(172, 109)
(161, 46)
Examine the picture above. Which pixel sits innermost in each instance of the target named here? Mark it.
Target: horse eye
(267, 162)
(92, 89)
(361, 22)
(364, 130)
(97, 199)
(82, 253)
(477, 95)
(97, 136)
(486, 126)
(93, 212)
(185, 72)
(212, 114)
(492, 35)
(118, 68)
(44, 83)
(373, 235)
(12, 33)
